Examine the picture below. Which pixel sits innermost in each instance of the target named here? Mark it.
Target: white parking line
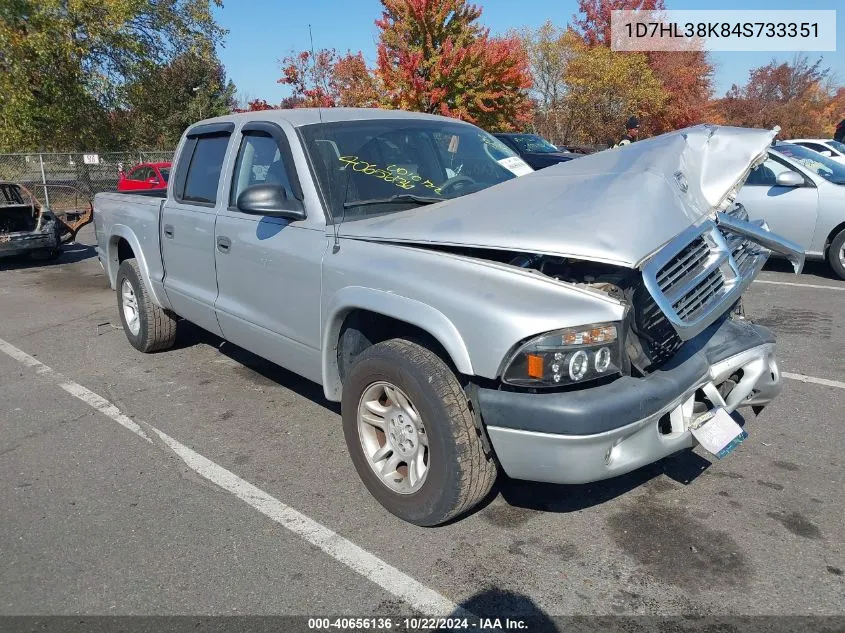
(818, 381)
(790, 283)
(422, 598)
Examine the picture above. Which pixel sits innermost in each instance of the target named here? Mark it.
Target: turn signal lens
(535, 366)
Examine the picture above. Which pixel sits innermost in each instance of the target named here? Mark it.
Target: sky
(262, 32)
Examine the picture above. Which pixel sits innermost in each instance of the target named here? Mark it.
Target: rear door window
(203, 174)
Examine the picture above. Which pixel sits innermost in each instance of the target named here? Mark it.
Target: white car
(826, 147)
(801, 196)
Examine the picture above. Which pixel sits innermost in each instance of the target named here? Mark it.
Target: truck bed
(114, 213)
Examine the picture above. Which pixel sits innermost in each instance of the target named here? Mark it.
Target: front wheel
(836, 254)
(411, 435)
(148, 327)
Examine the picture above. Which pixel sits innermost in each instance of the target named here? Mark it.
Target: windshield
(817, 163)
(839, 147)
(533, 144)
(372, 167)
(165, 173)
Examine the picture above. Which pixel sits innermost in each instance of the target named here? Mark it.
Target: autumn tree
(604, 88)
(326, 79)
(64, 65)
(795, 95)
(434, 56)
(549, 51)
(685, 76)
(687, 81)
(592, 22)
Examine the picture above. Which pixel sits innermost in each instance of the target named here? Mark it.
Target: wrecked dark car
(28, 227)
(570, 324)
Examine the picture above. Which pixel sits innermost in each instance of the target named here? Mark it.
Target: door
(268, 268)
(187, 226)
(789, 211)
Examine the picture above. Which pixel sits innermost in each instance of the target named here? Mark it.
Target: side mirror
(789, 179)
(826, 152)
(270, 200)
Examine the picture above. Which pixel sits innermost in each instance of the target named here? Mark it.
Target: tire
(457, 475)
(154, 328)
(836, 254)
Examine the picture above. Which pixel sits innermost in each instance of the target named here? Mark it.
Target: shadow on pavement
(188, 335)
(71, 254)
(514, 611)
(816, 268)
(683, 468)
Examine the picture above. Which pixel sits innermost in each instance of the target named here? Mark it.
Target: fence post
(44, 180)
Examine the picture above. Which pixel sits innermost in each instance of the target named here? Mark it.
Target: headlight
(566, 357)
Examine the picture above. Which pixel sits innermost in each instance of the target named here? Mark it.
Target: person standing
(839, 133)
(632, 131)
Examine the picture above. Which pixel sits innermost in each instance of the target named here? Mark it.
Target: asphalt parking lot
(103, 514)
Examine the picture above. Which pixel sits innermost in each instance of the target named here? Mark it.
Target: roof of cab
(306, 116)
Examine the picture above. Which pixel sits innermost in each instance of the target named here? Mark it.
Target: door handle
(223, 244)
(168, 231)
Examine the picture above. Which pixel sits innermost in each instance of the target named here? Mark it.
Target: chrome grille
(745, 252)
(692, 304)
(683, 265)
(697, 276)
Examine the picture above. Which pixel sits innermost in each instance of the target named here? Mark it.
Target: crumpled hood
(616, 206)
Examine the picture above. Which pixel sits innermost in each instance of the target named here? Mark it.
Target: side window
(140, 174)
(765, 175)
(203, 173)
(816, 147)
(259, 162)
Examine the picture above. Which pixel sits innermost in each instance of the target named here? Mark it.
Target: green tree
(64, 64)
(605, 88)
(167, 99)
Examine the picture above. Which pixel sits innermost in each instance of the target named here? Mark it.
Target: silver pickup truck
(567, 325)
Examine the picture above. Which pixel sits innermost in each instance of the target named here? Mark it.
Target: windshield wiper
(400, 197)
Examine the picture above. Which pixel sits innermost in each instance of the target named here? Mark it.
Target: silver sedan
(801, 196)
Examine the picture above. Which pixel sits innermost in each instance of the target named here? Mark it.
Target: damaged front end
(27, 227)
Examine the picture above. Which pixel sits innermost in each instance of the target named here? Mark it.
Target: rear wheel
(836, 254)
(411, 435)
(148, 327)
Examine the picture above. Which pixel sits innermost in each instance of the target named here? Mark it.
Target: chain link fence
(85, 172)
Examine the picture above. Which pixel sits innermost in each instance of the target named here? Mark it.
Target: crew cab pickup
(568, 325)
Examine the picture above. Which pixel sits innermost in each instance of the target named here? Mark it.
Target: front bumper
(600, 432)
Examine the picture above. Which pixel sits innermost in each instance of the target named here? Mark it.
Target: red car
(145, 176)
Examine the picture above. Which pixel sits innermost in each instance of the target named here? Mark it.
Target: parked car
(28, 227)
(801, 195)
(375, 252)
(535, 150)
(825, 147)
(145, 176)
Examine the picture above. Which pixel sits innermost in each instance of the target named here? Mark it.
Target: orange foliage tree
(686, 77)
(795, 95)
(434, 56)
(326, 79)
